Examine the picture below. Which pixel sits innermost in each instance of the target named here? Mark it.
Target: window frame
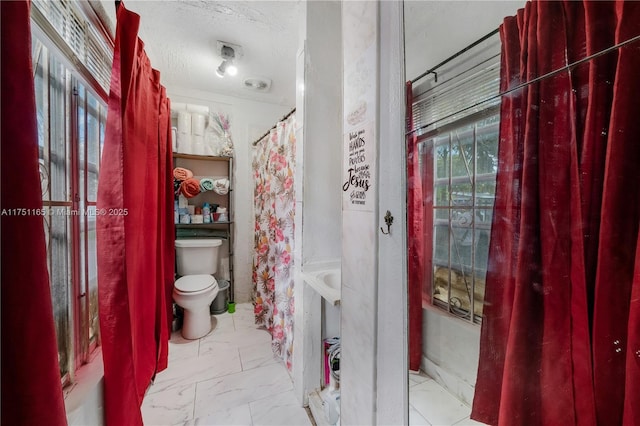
(427, 148)
(72, 126)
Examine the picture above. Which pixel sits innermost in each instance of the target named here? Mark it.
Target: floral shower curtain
(274, 208)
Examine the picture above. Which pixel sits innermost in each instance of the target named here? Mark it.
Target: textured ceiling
(180, 39)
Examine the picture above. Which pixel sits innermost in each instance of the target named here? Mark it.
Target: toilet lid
(193, 283)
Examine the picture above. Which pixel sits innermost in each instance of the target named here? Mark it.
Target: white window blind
(467, 85)
(83, 43)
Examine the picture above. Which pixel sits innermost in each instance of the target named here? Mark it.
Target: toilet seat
(195, 283)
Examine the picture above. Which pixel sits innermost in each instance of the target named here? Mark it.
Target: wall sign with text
(358, 189)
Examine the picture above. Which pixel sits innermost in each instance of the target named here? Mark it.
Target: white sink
(326, 282)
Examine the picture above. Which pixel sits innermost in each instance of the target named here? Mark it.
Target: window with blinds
(79, 40)
(457, 122)
(472, 91)
(72, 65)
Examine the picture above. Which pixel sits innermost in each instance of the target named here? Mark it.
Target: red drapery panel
(135, 244)
(31, 386)
(415, 239)
(559, 344)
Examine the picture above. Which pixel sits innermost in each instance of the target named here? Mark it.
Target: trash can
(219, 305)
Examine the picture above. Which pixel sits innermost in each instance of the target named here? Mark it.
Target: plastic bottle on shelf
(206, 212)
(223, 214)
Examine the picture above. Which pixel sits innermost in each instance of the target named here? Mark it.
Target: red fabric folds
(31, 386)
(135, 237)
(559, 342)
(415, 220)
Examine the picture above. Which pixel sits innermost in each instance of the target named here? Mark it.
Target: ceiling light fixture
(259, 84)
(227, 66)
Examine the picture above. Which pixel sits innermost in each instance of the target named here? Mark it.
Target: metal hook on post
(388, 219)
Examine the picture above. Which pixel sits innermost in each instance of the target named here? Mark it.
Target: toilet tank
(197, 256)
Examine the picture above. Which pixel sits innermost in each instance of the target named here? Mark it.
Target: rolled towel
(182, 174)
(190, 187)
(221, 186)
(206, 184)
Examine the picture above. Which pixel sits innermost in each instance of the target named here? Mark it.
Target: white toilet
(196, 262)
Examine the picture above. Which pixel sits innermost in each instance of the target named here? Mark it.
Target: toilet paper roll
(174, 139)
(192, 210)
(200, 109)
(184, 122)
(197, 145)
(184, 143)
(197, 218)
(197, 124)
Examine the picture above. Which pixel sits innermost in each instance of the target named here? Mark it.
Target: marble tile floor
(228, 377)
(432, 405)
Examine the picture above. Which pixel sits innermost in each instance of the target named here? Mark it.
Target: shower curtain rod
(274, 126)
(455, 55)
(567, 67)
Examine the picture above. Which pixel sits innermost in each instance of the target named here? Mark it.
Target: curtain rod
(455, 55)
(567, 67)
(274, 126)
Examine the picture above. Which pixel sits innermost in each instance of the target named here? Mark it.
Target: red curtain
(416, 246)
(560, 339)
(31, 386)
(135, 228)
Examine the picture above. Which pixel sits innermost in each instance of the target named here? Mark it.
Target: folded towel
(206, 184)
(221, 186)
(190, 187)
(182, 174)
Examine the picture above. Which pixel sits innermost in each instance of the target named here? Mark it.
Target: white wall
(321, 168)
(84, 400)
(318, 175)
(435, 30)
(391, 369)
(249, 120)
(450, 352)
(373, 358)
(359, 230)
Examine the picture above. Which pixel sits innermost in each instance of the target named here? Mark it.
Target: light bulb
(232, 69)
